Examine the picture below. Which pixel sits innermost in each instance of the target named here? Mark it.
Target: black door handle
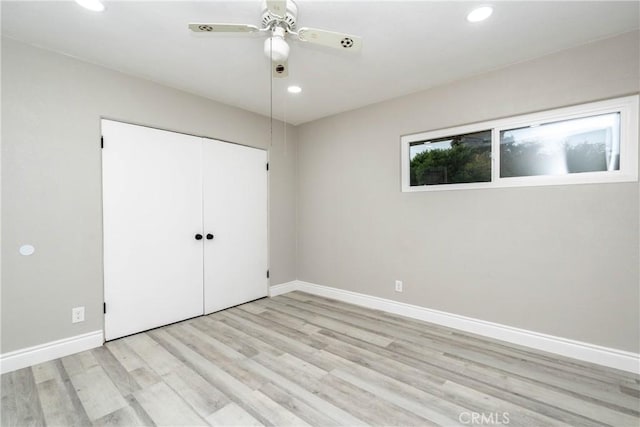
(209, 236)
(198, 236)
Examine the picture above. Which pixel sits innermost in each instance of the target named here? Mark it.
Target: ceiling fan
(279, 21)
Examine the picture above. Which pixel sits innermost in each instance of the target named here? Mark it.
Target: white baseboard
(52, 350)
(600, 355)
(283, 288)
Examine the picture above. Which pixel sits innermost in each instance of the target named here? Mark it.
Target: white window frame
(627, 106)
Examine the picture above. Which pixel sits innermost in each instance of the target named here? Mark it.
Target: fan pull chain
(270, 102)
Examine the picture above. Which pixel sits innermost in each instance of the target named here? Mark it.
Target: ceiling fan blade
(223, 28)
(280, 69)
(277, 7)
(341, 41)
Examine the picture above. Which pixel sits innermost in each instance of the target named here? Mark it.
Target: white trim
(283, 288)
(610, 357)
(627, 106)
(52, 350)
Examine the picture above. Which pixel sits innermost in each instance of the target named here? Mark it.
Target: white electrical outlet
(398, 285)
(77, 314)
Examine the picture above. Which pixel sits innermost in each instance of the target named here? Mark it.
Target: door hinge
(267, 274)
(104, 307)
(101, 141)
(267, 166)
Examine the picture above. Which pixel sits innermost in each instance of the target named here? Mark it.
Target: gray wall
(560, 260)
(51, 182)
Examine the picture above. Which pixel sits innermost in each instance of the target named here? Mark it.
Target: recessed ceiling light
(94, 5)
(479, 14)
(294, 89)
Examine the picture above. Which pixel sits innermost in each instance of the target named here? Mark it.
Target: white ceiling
(407, 45)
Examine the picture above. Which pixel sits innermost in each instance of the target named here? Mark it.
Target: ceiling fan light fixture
(276, 48)
(279, 19)
(93, 5)
(294, 89)
(480, 14)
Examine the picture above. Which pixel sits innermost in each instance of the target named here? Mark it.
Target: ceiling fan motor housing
(290, 20)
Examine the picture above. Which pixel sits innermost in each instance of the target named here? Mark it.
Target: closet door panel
(152, 192)
(235, 214)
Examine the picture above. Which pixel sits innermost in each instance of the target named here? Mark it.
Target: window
(589, 143)
(451, 160)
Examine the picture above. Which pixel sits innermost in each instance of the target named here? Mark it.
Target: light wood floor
(299, 359)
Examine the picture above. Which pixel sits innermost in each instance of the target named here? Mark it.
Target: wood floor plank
(267, 335)
(276, 414)
(356, 402)
(141, 414)
(232, 415)
(125, 355)
(28, 408)
(79, 413)
(426, 409)
(145, 377)
(333, 324)
(426, 404)
(374, 409)
(401, 379)
(188, 356)
(299, 359)
(300, 370)
(8, 410)
(225, 335)
(57, 407)
(297, 406)
(161, 361)
(286, 331)
(209, 353)
(79, 362)
(98, 394)
(166, 408)
(251, 308)
(201, 395)
(124, 417)
(268, 313)
(186, 332)
(120, 377)
(256, 404)
(518, 416)
(45, 371)
(630, 390)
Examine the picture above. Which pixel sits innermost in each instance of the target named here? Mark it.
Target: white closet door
(152, 192)
(235, 214)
